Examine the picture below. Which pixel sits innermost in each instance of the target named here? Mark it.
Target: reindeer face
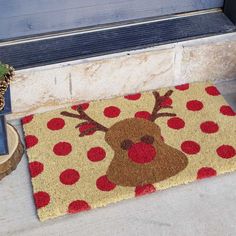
(140, 155)
(137, 138)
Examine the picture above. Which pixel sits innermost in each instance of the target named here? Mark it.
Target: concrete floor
(205, 207)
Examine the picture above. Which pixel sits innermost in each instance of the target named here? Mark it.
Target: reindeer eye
(147, 139)
(126, 144)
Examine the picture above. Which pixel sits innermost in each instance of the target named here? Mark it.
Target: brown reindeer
(140, 154)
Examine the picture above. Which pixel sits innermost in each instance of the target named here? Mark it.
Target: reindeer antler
(158, 105)
(83, 116)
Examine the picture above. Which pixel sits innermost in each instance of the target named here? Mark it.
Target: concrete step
(50, 87)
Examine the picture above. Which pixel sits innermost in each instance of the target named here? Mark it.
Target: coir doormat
(96, 153)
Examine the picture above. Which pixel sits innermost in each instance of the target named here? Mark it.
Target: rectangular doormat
(96, 153)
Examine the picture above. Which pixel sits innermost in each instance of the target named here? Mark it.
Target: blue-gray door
(28, 17)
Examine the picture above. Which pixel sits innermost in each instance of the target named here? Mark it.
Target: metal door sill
(80, 45)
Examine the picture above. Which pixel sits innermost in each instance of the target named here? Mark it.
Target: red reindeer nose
(141, 152)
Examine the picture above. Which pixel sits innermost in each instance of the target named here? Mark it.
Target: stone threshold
(50, 87)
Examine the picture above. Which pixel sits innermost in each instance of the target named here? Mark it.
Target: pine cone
(6, 74)
(9, 75)
(2, 102)
(3, 87)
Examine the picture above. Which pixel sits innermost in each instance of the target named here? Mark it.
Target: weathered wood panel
(29, 17)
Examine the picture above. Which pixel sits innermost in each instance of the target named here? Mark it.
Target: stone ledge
(50, 87)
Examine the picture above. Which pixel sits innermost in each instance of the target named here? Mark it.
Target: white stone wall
(50, 87)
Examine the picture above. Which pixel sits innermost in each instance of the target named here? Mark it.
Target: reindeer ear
(126, 144)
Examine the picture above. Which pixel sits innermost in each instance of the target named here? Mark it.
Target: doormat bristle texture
(96, 153)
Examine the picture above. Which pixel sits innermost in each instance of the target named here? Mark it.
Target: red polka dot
(27, 119)
(104, 184)
(111, 112)
(176, 123)
(143, 115)
(78, 206)
(209, 127)
(133, 96)
(41, 199)
(144, 189)
(30, 141)
(84, 106)
(56, 124)
(69, 176)
(182, 87)
(227, 111)
(212, 90)
(166, 102)
(35, 168)
(85, 127)
(62, 148)
(142, 153)
(226, 151)
(190, 147)
(96, 154)
(206, 172)
(194, 105)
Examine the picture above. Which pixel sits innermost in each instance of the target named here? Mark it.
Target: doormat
(96, 153)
